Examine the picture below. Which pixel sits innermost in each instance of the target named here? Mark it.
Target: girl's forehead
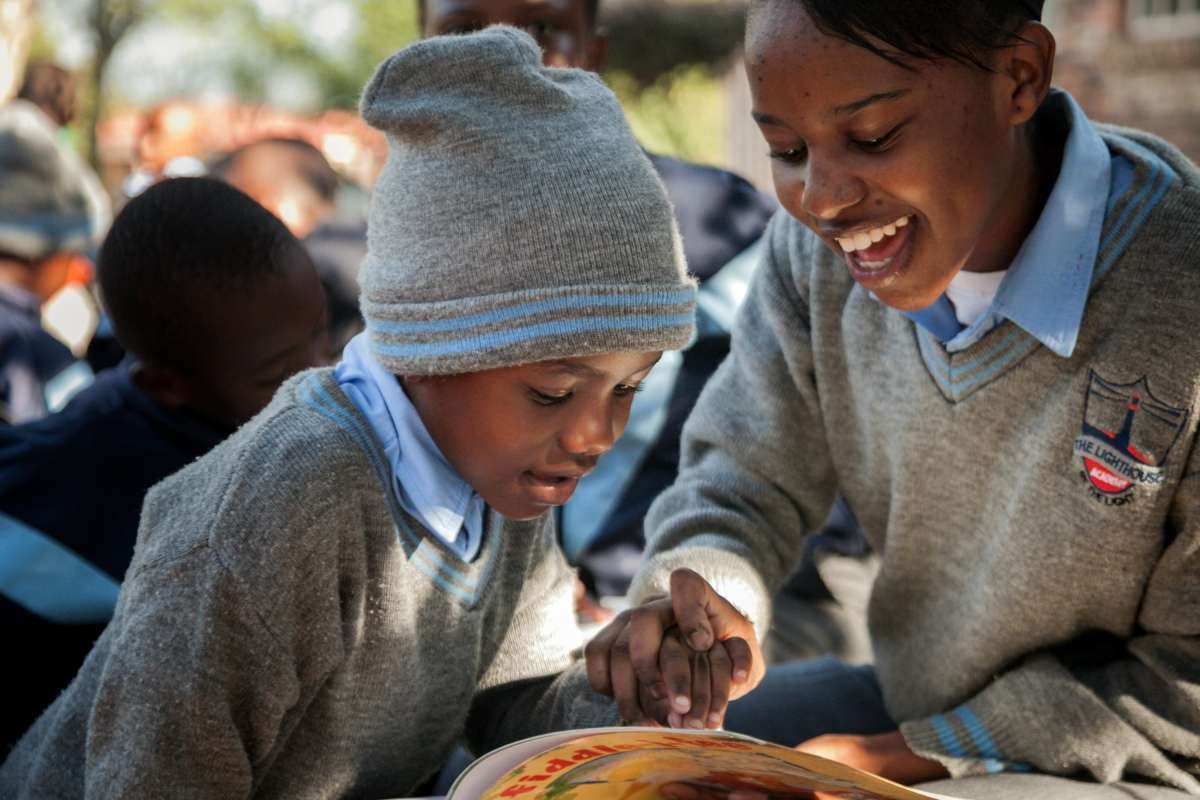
(794, 65)
(781, 34)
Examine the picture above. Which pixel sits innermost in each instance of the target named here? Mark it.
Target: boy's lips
(550, 488)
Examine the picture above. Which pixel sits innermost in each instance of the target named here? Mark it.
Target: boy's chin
(517, 510)
(522, 515)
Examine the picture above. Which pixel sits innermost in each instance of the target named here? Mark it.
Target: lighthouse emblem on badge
(1127, 435)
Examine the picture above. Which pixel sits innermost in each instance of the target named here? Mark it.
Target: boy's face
(256, 339)
(916, 171)
(561, 27)
(524, 436)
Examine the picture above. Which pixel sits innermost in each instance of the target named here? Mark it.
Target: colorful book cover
(661, 764)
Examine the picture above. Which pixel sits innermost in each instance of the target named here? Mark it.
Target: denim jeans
(802, 699)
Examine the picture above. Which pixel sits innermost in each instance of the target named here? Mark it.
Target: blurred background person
(72, 314)
(294, 181)
(45, 227)
(170, 146)
(217, 304)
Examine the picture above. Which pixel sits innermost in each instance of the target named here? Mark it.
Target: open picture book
(652, 763)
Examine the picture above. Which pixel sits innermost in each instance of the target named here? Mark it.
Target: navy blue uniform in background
(71, 492)
(30, 358)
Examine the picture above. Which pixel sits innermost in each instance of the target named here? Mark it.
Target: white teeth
(861, 241)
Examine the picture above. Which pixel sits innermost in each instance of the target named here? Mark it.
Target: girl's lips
(879, 264)
(547, 489)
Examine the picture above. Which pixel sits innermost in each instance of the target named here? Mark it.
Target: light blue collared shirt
(1046, 287)
(426, 485)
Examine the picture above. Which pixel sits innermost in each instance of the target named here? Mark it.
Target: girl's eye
(626, 390)
(878, 143)
(796, 155)
(543, 399)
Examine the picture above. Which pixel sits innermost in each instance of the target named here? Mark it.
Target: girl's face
(910, 175)
(524, 436)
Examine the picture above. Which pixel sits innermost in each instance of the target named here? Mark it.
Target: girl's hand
(885, 754)
(628, 660)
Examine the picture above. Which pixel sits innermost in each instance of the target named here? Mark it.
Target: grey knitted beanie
(516, 219)
(43, 199)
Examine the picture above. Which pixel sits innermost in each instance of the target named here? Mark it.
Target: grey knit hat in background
(516, 219)
(43, 199)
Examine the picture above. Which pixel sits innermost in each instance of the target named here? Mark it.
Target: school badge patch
(1127, 435)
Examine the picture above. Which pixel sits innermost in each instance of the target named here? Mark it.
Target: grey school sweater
(286, 630)
(1038, 517)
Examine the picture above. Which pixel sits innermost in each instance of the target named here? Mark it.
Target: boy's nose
(827, 191)
(590, 435)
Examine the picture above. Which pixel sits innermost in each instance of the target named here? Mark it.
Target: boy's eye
(796, 155)
(627, 390)
(545, 399)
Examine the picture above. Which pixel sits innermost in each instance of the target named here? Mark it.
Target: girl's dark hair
(961, 30)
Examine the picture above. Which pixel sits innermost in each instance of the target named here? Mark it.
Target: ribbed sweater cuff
(961, 742)
(733, 577)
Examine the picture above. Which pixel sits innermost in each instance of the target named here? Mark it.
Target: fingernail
(714, 720)
(681, 703)
(674, 720)
(656, 692)
(740, 674)
(696, 724)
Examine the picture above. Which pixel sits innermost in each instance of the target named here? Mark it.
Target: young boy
(721, 219)
(44, 226)
(974, 321)
(218, 304)
(326, 602)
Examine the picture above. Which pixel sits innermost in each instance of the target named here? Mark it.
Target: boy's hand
(704, 677)
(623, 660)
(885, 754)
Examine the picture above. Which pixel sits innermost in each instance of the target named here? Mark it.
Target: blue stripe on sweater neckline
(430, 558)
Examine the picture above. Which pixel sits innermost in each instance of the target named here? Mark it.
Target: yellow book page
(652, 764)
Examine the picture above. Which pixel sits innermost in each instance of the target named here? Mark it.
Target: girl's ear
(1028, 63)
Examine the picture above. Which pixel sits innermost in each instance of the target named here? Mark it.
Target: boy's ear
(1028, 64)
(166, 387)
